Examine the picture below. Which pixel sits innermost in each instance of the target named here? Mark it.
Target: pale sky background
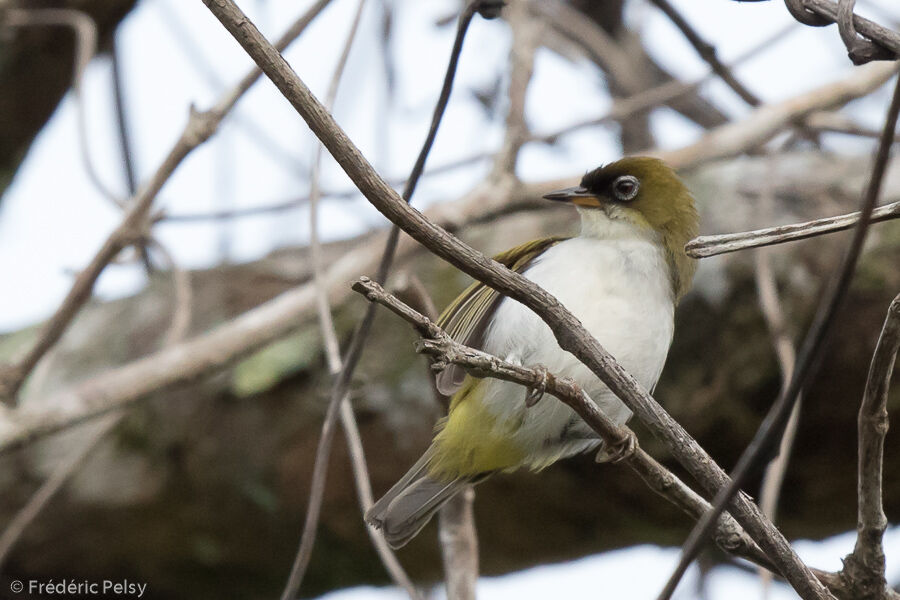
(52, 220)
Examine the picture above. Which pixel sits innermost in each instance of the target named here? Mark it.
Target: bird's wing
(467, 317)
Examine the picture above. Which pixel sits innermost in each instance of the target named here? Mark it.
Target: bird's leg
(618, 452)
(534, 394)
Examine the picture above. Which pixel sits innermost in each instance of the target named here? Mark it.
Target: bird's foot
(534, 394)
(618, 452)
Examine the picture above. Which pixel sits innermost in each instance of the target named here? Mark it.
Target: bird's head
(639, 195)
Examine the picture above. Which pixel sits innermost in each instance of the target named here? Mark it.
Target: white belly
(620, 291)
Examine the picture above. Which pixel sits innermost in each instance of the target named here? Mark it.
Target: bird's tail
(408, 506)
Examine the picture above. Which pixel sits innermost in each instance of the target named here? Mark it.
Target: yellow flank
(469, 441)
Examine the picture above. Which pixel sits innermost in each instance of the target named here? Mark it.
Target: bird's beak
(576, 195)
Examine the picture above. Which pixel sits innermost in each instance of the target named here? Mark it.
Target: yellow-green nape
(662, 203)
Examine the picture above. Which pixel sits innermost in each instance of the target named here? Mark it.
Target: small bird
(621, 277)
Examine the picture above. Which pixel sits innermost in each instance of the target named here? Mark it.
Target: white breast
(620, 291)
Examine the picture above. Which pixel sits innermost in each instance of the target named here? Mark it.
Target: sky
(174, 54)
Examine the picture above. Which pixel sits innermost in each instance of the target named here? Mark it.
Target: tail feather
(408, 506)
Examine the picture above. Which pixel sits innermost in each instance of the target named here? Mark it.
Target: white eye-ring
(626, 187)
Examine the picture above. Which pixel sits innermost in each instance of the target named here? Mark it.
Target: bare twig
(526, 31)
(125, 141)
(569, 332)
(85, 30)
(711, 245)
(435, 342)
(859, 49)
(333, 357)
(813, 344)
(459, 545)
(232, 340)
(456, 521)
(768, 120)
(360, 335)
(770, 305)
(708, 53)
(199, 128)
(183, 297)
(864, 567)
(625, 70)
(835, 122)
(197, 58)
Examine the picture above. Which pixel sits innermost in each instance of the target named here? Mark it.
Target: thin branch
(767, 121)
(85, 30)
(436, 343)
(835, 122)
(625, 70)
(712, 245)
(333, 357)
(864, 567)
(459, 545)
(761, 446)
(196, 57)
(48, 489)
(456, 520)
(231, 340)
(360, 335)
(181, 318)
(182, 313)
(773, 312)
(570, 334)
(707, 52)
(125, 146)
(526, 37)
(199, 128)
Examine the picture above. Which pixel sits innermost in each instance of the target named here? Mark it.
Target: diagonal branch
(199, 128)
(761, 446)
(707, 52)
(332, 354)
(445, 350)
(569, 333)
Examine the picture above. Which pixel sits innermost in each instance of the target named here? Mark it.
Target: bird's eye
(626, 187)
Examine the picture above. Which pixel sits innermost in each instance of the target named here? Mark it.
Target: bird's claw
(534, 394)
(618, 452)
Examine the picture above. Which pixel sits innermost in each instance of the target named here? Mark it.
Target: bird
(621, 276)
